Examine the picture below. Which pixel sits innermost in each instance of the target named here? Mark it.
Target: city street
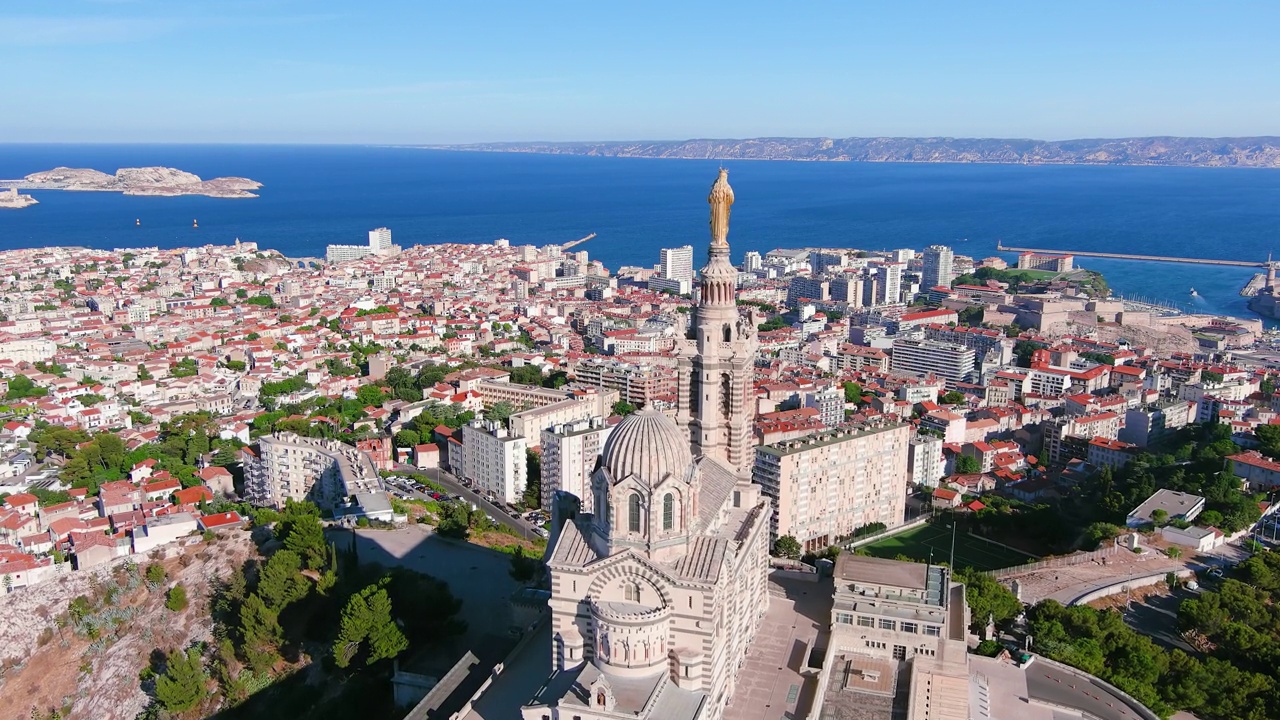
(455, 487)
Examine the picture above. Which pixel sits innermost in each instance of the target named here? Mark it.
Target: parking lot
(408, 483)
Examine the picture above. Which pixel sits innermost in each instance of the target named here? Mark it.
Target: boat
(138, 221)
(1194, 293)
(195, 224)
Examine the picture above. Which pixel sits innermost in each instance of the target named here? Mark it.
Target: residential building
(1082, 427)
(827, 485)
(495, 461)
(569, 454)
(829, 404)
(287, 466)
(1259, 472)
(925, 464)
(937, 267)
(919, 357)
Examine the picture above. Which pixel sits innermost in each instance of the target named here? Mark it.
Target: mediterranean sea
(316, 195)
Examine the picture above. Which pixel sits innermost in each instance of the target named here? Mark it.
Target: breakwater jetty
(1128, 256)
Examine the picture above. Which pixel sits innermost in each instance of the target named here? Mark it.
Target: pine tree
(281, 582)
(184, 683)
(367, 616)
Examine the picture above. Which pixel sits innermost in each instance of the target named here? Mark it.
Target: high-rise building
(380, 239)
(494, 460)
(752, 261)
(827, 485)
(916, 356)
(937, 261)
(569, 453)
(677, 263)
(379, 244)
(890, 290)
(675, 270)
(659, 583)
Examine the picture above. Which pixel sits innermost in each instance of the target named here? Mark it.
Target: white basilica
(658, 580)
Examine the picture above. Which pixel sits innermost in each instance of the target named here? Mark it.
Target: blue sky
(411, 71)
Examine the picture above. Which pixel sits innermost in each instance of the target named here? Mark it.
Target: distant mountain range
(1170, 151)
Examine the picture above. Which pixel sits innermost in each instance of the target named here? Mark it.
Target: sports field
(970, 551)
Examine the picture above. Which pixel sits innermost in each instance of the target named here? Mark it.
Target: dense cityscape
(419, 454)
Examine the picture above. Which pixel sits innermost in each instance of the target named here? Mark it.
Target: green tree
(21, 387)
(955, 397)
(787, 546)
(367, 617)
(853, 393)
(623, 408)
(967, 465)
(987, 598)
(184, 683)
(499, 412)
(407, 439)
(524, 569)
(282, 582)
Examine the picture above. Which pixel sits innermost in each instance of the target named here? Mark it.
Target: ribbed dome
(648, 444)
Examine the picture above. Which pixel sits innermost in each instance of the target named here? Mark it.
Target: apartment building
(636, 383)
(1059, 432)
(825, 486)
(287, 466)
(569, 455)
(925, 465)
(495, 460)
(917, 356)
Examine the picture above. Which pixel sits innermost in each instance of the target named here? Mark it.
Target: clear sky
(413, 71)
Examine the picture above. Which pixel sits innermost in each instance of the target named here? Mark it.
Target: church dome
(648, 444)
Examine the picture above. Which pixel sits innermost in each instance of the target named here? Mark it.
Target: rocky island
(158, 181)
(1169, 151)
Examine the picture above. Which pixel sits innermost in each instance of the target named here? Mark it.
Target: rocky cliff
(1191, 152)
(136, 181)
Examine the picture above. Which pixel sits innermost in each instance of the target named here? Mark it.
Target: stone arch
(633, 571)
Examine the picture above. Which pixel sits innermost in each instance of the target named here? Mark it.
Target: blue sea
(317, 195)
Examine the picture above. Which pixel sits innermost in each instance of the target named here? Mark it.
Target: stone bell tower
(717, 363)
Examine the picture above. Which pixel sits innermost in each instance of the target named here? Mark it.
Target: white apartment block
(495, 461)
(569, 455)
(829, 403)
(677, 263)
(937, 267)
(925, 464)
(827, 485)
(326, 472)
(950, 361)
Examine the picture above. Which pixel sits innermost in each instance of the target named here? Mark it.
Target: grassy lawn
(970, 551)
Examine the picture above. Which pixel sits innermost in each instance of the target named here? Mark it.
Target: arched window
(631, 591)
(728, 334)
(633, 515)
(668, 511)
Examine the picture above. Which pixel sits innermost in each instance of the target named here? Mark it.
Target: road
(455, 487)
(1068, 688)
